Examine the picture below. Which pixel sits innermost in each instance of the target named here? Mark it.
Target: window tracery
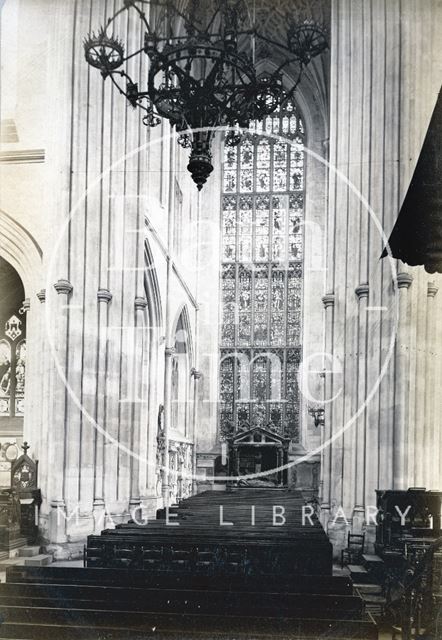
(262, 276)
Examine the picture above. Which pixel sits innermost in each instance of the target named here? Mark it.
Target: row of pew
(39, 603)
(198, 580)
(242, 532)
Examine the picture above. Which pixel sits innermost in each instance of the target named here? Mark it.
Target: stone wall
(380, 315)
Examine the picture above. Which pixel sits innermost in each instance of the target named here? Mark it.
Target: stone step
(40, 560)
(11, 562)
(357, 569)
(371, 588)
(373, 598)
(359, 574)
(372, 559)
(28, 552)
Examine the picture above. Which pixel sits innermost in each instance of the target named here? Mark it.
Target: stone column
(44, 470)
(140, 306)
(431, 436)
(401, 370)
(360, 462)
(29, 393)
(57, 522)
(168, 354)
(196, 375)
(326, 454)
(104, 297)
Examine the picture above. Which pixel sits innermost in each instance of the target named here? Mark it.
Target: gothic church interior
(169, 329)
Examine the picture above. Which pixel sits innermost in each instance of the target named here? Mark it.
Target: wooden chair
(355, 548)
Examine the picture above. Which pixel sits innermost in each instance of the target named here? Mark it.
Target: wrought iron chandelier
(201, 70)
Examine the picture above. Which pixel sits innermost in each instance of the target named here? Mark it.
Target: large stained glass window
(261, 275)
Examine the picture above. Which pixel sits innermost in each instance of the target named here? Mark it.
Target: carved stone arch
(310, 97)
(152, 289)
(22, 251)
(153, 318)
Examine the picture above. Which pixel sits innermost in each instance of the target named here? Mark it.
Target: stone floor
(57, 563)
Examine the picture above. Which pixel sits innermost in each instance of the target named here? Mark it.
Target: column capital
(169, 351)
(140, 303)
(404, 280)
(41, 295)
(328, 300)
(104, 295)
(63, 286)
(432, 289)
(26, 305)
(362, 290)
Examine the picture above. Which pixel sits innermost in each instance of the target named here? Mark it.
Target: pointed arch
(22, 251)
(182, 330)
(311, 96)
(154, 325)
(152, 289)
(181, 370)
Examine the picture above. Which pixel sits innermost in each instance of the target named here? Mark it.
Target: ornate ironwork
(200, 75)
(420, 588)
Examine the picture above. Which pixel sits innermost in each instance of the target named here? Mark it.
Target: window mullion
(278, 321)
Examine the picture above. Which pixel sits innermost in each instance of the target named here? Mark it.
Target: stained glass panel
(227, 393)
(261, 300)
(230, 157)
(263, 166)
(262, 253)
(261, 235)
(244, 306)
(245, 231)
(229, 235)
(292, 393)
(246, 180)
(247, 154)
(296, 166)
(229, 181)
(5, 377)
(277, 330)
(259, 413)
(20, 368)
(279, 230)
(228, 305)
(260, 378)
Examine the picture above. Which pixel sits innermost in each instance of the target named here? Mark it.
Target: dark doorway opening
(258, 459)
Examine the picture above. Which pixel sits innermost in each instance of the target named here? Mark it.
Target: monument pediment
(259, 436)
